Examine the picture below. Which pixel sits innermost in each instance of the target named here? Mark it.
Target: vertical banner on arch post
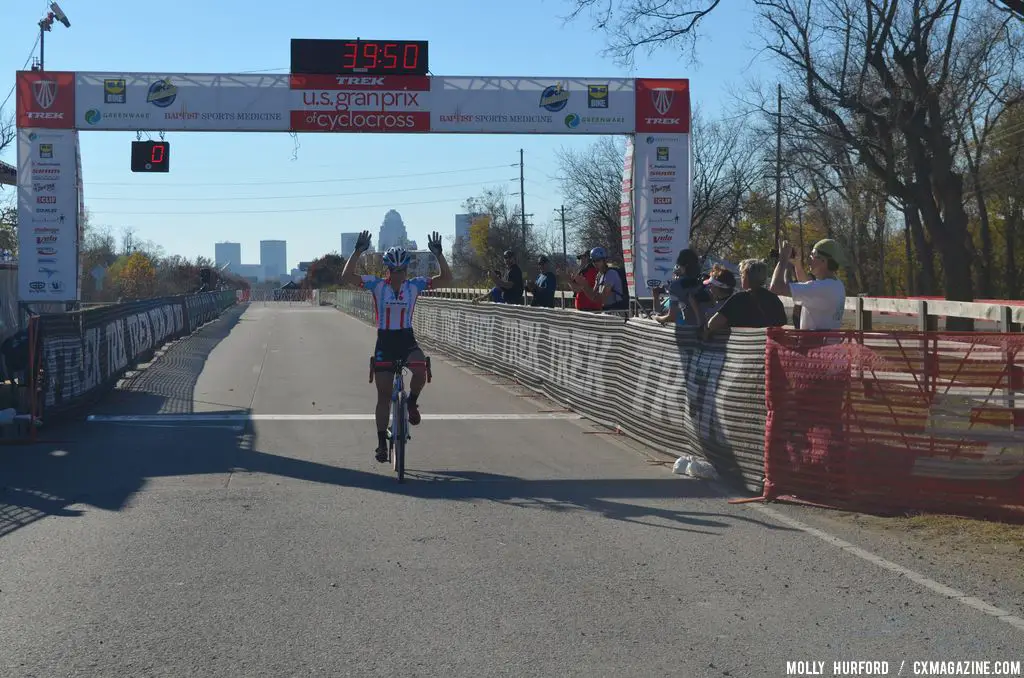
(626, 218)
(48, 209)
(661, 169)
(48, 191)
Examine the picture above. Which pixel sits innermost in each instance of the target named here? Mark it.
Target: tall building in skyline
(348, 244)
(274, 258)
(227, 253)
(392, 231)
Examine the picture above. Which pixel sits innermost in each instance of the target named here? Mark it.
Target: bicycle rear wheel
(399, 436)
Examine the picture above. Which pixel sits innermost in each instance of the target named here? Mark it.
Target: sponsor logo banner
(662, 106)
(662, 221)
(48, 216)
(181, 102)
(532, 105)
(46, 99)
(327, 103)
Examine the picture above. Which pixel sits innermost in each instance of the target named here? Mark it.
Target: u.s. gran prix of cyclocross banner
(654, 112)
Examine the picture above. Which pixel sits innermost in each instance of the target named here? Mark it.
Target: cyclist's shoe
(414, 413)
(382, 454)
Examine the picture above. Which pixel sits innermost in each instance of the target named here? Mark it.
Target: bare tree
(591, 182)
(646, 23)
(725, 169)
(8, 131)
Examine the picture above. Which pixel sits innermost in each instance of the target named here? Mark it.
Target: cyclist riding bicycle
(394, 300)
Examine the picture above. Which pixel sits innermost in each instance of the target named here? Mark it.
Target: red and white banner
(246, 102)
(46, 99)
(329, 103)
(655, 113)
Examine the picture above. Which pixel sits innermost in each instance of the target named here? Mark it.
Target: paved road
(278, 547)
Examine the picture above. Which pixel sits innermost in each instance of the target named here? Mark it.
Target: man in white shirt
(822, 300)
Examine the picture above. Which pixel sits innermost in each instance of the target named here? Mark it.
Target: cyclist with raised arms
(394, 301)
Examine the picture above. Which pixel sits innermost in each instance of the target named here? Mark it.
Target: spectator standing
(822, 300)
(609, 289)
(753, 306)
(543, 289)
(588, 272)
(512, 283)
(683, 291)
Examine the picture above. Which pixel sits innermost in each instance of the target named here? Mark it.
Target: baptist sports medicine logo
(45, 93)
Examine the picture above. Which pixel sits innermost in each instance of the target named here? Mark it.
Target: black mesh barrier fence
(84, 353)
(661, 385)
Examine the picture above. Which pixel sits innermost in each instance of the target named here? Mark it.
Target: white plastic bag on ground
(698, 468)
(682, 462)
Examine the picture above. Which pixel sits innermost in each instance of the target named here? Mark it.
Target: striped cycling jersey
(391, 311)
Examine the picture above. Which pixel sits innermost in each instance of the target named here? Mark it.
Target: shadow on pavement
(166, 386)
(42, 480)
(105, 467)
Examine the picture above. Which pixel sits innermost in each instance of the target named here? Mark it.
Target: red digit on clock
(370, 55)
(411, 57)
(156, 156)
(348, 53)
(390, 59)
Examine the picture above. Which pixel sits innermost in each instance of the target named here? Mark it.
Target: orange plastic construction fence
(896, 422)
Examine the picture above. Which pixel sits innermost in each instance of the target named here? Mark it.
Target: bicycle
(398, 428)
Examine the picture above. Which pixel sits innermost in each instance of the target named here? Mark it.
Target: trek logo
(45, 92)
(44, 115)
(663, 121)
(364, 81)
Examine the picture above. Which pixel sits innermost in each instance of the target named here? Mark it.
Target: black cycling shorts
(394, 345)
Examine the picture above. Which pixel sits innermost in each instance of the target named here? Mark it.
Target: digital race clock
(369, 57)
(151, 156)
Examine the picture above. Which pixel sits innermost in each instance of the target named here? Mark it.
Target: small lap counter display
(370, 57)
(151, 156)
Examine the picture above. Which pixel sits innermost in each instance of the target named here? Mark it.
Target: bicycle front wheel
(399, 433)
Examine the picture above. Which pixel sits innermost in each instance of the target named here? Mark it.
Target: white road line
(200, 417)
(916, 577)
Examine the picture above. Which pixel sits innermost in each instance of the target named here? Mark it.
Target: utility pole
(778, 173)
(565, 251)
(522, 196)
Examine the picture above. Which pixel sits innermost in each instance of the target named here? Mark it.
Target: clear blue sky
(213, 174)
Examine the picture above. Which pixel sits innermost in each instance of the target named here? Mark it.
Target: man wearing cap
(822, 300)
(512, 284)
(543, 290)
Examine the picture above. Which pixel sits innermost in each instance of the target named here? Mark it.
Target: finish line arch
(53, 106)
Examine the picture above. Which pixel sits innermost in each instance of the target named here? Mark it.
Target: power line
(296, 197)
(27, 60)
(307, 181)
(306, 209)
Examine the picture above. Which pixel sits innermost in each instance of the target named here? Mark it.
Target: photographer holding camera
(588, 272)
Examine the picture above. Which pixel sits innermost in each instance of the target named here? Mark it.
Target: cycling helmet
(598, 253)
(396, 257)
